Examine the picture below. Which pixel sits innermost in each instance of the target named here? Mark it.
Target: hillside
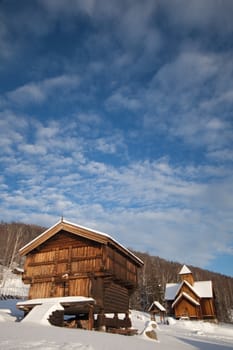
(155, 273)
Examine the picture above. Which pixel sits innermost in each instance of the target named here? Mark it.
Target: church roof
(184, 271)
(201, 288)
(185, 295)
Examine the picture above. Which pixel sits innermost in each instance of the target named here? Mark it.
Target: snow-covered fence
(12, 286)
(13, 292)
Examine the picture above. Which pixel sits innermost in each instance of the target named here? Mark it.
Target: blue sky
(118, 116)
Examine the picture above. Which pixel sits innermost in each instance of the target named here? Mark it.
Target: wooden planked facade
(70, 260)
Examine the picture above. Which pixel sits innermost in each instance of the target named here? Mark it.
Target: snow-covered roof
(171, 290)
(18, 269)
(203, 289)
(40, 313)
(13, 285)
(158, 305)
(191, 287)
(185, 295)
(79, 230)
(61, 300)
(185, 270)
(62, 221)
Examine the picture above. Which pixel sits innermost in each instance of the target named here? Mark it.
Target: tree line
(152, 279)
(14, 236)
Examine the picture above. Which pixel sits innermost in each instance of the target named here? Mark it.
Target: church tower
(186, 275)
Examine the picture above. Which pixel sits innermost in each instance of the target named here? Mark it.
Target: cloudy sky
(118, 115)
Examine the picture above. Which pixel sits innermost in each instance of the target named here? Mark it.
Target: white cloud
(85, 121)
(106, 146)
(38, 92)
(188, 70)
(149, 206)
(32, 149)
(27, 93)
(105, 162)
(47, 132)
(11, 129)
(185, 100)
(122, 99)
(222, 155)
(61, 81)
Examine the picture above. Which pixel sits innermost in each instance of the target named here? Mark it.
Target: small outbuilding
(157, 309)
(72, 260)
(190, 299)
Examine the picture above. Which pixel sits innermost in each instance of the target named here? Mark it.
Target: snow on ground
(178, 335)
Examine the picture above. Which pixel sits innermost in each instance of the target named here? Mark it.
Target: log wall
(185, 308)
(121, 267)
(207, 307)
(52, 260)
(116, 299)
(40, 290)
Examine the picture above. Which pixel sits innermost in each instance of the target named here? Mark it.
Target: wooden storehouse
(72, 260)
(157, 309)
(190, 299)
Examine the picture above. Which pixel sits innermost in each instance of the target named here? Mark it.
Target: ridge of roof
(85, 228)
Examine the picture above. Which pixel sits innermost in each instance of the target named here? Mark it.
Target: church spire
(184, 271)
(186, 275)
